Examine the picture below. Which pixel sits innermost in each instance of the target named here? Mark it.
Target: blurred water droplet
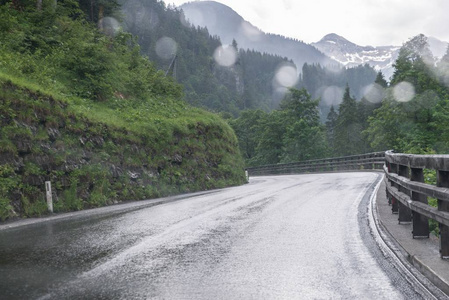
(286, 76)
(225, 56)
(374, 93)
(404, 91)
(332, 95)
(166, 48)
(109, 25)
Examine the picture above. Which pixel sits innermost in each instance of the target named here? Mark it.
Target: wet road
(285, 237)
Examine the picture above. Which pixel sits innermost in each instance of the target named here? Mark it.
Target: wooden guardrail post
(443, 181)
(388, 165)
(394, 201)
(370, 164)
(404, 213)
(413, 192)
(420, 222)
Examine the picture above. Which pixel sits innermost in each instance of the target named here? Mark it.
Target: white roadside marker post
(49, 196)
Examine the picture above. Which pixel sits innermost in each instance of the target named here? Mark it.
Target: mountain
(350, 54)
(380, 58)
(224, 22)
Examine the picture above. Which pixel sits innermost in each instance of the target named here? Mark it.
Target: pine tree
(380, 80)
(304, 136)
(348, 129)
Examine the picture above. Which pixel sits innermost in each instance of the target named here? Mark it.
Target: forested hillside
(328, 83)
(242, 82)
(408, 115)
(80, 107)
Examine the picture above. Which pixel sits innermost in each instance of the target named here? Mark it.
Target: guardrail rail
(408, 194)
(368, 161)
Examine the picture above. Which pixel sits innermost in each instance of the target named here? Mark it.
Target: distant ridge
(224, 22)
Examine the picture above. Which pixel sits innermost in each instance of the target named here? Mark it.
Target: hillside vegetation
(163, 32)
(80, 106)
(409, 114)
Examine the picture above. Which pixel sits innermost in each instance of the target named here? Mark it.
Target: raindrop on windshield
(286, 76)
(166, 48)
(374, 93)
(109, 25)
(404, 92)
(332, 95)
(225, 56)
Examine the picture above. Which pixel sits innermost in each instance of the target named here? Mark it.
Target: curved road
(283, 237)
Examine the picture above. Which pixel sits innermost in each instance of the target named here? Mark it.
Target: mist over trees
(163, 33)
(414, 113)
(411, 115)
(291, 133)
(224, 22)
(356, 108)
(328, 83)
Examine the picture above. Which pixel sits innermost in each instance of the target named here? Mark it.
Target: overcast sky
(364, 22)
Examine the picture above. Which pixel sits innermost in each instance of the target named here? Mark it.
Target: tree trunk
(92, 10)
(100, 16)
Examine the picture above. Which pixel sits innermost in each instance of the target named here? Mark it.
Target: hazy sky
(364, 22)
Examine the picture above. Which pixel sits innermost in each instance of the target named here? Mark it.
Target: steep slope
(163, 31)
(85, 111)
(224, 22)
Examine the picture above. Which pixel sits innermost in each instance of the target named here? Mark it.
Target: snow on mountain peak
(380, 58)
(351, 55)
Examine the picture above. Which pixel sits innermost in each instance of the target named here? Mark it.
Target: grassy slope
(104, 130)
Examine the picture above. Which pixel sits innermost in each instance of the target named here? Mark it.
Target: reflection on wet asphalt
(284, 237)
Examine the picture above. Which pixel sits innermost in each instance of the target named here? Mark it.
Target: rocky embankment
(92, 164)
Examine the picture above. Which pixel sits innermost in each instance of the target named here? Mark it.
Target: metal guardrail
(408, 194)
(368, 161)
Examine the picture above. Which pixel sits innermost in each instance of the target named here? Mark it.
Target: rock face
(91, 164)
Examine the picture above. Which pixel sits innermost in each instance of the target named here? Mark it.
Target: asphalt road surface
(283, 237)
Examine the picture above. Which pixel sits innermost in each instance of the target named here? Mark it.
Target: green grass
(89, 104)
